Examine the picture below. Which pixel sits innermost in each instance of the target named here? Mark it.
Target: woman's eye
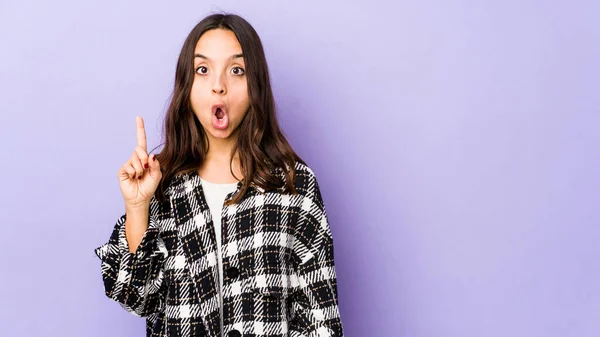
(237, 71)
(202, 70)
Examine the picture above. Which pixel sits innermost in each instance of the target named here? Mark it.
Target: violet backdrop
(455, 142)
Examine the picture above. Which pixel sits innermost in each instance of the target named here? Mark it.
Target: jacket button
(234, 333)
(233, 272)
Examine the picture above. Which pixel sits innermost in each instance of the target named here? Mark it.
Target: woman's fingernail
(146, 165)
(140, 177)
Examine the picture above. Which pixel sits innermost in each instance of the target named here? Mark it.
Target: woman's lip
(217, 106)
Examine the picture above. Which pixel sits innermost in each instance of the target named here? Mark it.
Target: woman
(225, 232)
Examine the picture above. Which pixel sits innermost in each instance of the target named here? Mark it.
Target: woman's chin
(220, 133)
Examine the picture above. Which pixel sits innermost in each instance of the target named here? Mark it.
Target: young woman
(225, 232)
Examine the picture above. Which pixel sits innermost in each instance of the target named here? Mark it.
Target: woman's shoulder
(173, 188)
(304, 172)
(177, 183)
(305, 179)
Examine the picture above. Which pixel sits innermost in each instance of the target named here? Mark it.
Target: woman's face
(219, 94)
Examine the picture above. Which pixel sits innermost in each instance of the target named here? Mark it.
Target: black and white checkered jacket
(277, 255)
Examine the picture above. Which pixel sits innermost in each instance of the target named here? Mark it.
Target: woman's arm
(316, 301)
(134, 280)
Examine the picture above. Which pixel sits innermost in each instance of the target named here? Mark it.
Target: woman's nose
(218, 87)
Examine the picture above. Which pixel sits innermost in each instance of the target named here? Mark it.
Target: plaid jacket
(279, 277)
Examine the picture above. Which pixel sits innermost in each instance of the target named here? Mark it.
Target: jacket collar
(177, 185)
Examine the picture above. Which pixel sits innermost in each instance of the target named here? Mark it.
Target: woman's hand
(140, 175)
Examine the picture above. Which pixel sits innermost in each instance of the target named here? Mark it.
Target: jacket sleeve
(135, 281)
(316, 300)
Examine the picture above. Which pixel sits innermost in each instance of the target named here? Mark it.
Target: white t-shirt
(215, 197)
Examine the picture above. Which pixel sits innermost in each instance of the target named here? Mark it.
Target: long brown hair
(261, 144)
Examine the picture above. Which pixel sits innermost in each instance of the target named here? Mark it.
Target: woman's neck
(216, 165)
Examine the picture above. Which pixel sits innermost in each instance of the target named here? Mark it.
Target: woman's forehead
(218, 44)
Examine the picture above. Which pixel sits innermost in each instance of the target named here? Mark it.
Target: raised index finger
(141, 132)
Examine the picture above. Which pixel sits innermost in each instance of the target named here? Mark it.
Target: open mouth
(219, 110)
(220, 119)
(220, 113)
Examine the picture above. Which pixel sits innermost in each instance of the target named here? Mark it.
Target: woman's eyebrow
(233, 57)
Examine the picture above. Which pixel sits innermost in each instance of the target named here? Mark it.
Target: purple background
(456, 143)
